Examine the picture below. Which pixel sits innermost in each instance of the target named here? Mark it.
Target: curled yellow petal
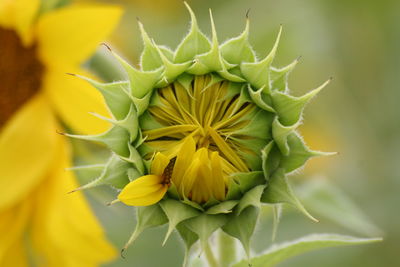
(144, 191)
(160, 162)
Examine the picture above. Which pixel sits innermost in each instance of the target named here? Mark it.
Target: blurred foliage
(356, 42)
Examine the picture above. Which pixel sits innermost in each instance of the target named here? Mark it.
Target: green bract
(276, 150)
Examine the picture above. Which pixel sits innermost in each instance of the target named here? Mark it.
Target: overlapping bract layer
(139, 131)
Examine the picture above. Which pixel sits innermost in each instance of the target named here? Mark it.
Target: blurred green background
(357, 43)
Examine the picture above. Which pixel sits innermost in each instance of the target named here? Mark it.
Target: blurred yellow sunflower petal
(144, 191)
(12, 225)
(15, 256)
(27, 148)
(73, 99)
(20, 15)
(70, 35)
(65, 230)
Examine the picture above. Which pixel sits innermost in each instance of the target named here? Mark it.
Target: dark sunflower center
(20, 73)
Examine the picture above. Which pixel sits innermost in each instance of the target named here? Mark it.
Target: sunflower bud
(203, 135)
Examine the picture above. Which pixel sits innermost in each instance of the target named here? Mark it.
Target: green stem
(212, 262)
(227, 249)
(105, 66)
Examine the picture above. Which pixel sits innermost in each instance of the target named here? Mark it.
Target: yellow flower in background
(39, 222)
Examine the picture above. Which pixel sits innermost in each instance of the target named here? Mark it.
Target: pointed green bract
(238, 50)
(115, 96)
(250, 198)
(242, 226)
(276, 218)
(205, 224)
(188, 237)
(299, 153)
(150, 58)
(224, 207)
(258, 73)
(248, 180)
(176, 212)
(279, 191)
(289, 108)
(195, 43)
(147, 217)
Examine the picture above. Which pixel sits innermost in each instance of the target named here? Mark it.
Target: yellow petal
(19, 15)
(144, 191)
(25, 13)
(70, 35)
(227, 151)
(183, 160)
(27, 148)
(13, 223)
(15, 256)
(218, 177)
(7, 14)
(160, 162)
(65, 231)
(73, 99)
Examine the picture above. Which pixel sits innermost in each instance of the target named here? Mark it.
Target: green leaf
(242, 226)
(258, 73)
(279, 191)
(279, 253)
(290, 108)
(328, 201)
(195, 43)
(147, 217)
(238, 50)
(176, 212)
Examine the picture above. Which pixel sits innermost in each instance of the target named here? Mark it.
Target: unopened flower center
(207, 111)
(20, 73)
